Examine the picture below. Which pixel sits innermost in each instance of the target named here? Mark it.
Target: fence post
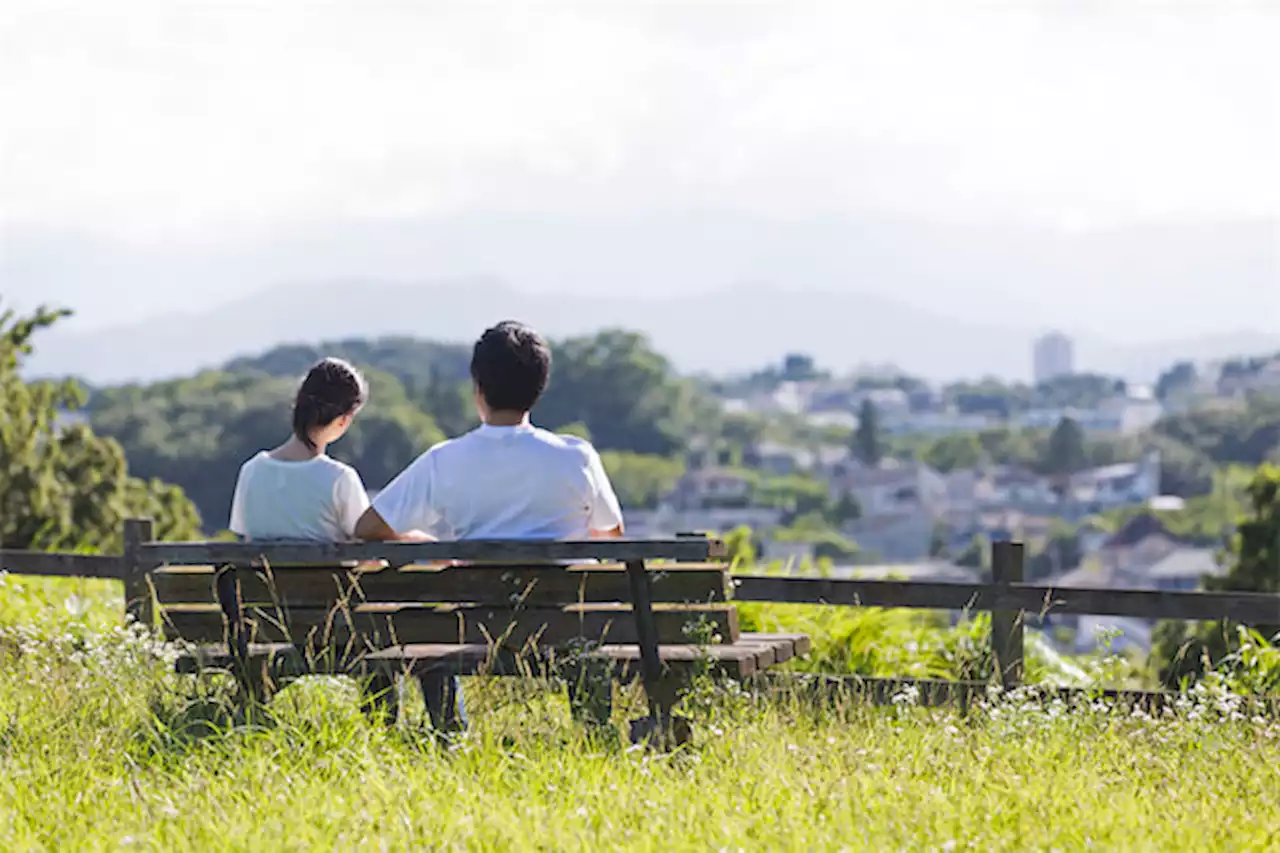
(137, 591)
(1006, 625)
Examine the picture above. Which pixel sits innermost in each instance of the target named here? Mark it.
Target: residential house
(1092, 534)
(1123, 484)
(706, 488)
(938, 423)
(901, 505)
(668, 520)
(891, 487)
(778, 459)
(1013, 485)
(894, 536)
(1184, 569)
(1135, 547)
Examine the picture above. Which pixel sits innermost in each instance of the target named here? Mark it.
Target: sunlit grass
(102, 748)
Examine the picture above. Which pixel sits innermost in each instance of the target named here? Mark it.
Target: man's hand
(613, 533)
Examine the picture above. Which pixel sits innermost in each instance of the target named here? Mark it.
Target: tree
(868, 443)
(940, 540)
(61, 486)
(626, 394)
(953, 453)
(845, 510)
(1182, 652)
(1065, 454)
(640, 480)
(1177, 379)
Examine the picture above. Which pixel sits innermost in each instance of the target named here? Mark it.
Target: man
(506, 479)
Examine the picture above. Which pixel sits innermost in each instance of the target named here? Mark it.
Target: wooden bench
(272, 612)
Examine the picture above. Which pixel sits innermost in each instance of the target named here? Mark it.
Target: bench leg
(663, 727)
(442, 694)
(590, 686)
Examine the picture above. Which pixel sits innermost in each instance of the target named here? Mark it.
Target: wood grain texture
(495, 585)
(379, 626)
(688, 549)
(60, 565)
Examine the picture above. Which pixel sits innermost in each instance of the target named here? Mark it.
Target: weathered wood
(375, 626)
(1007, 624)
(138, 598)
(739, 660)
(689, 549)
(61, 565)
(647, 634)
(530, 585)
(1248, 607)
(785, 646)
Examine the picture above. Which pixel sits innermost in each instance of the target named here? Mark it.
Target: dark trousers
(590, 697)
(442, 694)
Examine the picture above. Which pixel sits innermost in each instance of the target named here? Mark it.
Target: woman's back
(314, 499)
(296, 491)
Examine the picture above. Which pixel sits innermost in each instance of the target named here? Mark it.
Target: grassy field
(102, 749)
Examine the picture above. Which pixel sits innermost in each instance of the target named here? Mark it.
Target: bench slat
(396, 624)
(404, 553)
(750, 656)
(504, 585)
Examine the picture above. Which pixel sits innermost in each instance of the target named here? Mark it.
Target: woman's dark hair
(332, 388)
(511, 364)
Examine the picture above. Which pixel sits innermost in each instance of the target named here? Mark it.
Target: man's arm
(606, 514)
(612, 533)
(372, 528)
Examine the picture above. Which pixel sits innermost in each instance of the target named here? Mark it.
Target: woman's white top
(315, 499)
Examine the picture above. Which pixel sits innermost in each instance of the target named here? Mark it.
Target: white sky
(210, 121)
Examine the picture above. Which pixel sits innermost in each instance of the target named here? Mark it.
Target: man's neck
(507, 419)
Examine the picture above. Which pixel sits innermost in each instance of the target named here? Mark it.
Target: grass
(102, 748)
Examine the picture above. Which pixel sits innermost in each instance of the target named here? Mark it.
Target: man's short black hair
(511, 364)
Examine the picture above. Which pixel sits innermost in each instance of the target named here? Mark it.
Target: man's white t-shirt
(316, 499)
(516, 482)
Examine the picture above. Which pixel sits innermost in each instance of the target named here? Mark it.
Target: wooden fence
(1007, 598)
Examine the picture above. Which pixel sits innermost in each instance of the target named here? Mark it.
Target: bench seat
(751, 654)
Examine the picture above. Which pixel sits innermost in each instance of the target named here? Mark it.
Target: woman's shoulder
(253, 461)
(338, 468)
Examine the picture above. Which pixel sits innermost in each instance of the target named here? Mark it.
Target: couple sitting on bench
(505, 479)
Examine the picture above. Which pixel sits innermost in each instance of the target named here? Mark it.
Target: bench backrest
(507, 605)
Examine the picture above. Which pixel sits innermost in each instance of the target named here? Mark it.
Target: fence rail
(53, 564)
(1007, 598)
(1028, 598)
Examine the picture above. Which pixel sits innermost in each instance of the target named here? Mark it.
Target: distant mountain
(732, 330)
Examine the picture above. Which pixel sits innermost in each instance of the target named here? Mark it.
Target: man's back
(503, 482)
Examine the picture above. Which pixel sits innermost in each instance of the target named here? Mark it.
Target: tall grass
(103, 748)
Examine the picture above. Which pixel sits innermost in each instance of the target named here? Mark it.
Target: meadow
(102, 748)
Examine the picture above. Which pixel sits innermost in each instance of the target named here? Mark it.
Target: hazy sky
(173, 124)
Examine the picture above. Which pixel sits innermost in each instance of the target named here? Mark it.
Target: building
(1052, 355)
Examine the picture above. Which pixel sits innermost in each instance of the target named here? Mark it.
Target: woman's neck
(294, 450)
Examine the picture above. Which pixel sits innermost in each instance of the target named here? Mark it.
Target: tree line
(611, 387)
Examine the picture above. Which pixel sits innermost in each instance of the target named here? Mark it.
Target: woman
(296, 491)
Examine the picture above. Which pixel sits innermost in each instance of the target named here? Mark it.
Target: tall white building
(1052, 355)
